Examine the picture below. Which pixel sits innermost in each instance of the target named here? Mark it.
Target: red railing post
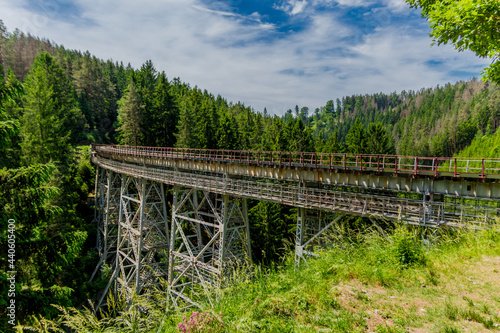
(455, 173)
(416, 165)
(482, 169)
(435, 167)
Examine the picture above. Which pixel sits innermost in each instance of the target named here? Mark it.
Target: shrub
(406, 249)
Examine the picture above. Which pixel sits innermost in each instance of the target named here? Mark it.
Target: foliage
(407, 249)
(130, 117)
(356, 139)
(378, 140)
(51, 119)
(468, 25)
(72, 98)
(352, 287)
(272, 227)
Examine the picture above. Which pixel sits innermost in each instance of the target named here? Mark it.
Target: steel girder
(142, 254)
(209, 233)
(311, 224)
(107, 203)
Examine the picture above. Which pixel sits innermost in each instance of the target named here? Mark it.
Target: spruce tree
(129, 117)
(377, 139)
(355, 139)
(51, 123)
(165, 114)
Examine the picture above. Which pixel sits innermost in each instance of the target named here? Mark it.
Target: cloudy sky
(264, 53)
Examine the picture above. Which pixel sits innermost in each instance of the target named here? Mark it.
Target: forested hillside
(54, 102)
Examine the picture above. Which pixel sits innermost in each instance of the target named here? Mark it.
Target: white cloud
(247, 58)
(292, 7)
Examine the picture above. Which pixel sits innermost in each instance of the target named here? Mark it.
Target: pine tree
(51, 122)
(185, 135)
(129, 117)
(97, 96)
(146, 83)
(165, 114)
(9, 126)
(270, 229)
(227, 132)
(333, 145)
(355, 139)
(377, 139)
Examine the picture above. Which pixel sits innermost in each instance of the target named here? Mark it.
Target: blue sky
(274, 54)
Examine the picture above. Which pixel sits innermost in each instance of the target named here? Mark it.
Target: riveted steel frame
(108, 185)
(334, 199)
(142, 254)
(311, 225)
(209, 233)
(209, 226)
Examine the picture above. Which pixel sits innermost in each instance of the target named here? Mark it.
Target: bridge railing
(429, 166)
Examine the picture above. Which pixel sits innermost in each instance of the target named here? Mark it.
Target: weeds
(407, 250)
(201, 322)
(357, 284)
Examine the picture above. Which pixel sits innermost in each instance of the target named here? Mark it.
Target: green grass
(376, 284)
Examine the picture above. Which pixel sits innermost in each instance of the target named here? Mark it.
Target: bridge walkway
(209, 223)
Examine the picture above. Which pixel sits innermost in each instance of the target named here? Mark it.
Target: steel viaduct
(208, 229)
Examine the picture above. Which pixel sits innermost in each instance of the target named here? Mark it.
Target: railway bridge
(190, 241)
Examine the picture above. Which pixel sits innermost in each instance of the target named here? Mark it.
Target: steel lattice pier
(208, 232)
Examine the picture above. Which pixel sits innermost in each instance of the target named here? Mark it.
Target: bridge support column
(209, 235)
(142, 253)
(107, 203)
(311, 224)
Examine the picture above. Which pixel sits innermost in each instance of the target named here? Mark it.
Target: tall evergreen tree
(146, 79)
(227, 133)
(130, 117)
(97, 97)
(355, 139)
(377, 139)
(165, 114)
(51, 122)
(270, 228)
(186, 137)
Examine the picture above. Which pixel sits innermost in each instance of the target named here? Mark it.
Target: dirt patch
(473, 284)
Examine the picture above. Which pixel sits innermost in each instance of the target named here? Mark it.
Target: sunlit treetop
(468, 25)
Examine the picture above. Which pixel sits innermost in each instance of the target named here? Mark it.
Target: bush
(406, 249)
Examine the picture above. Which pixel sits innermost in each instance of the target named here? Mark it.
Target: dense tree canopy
(51, 121)
(71, 98)
(468, 25)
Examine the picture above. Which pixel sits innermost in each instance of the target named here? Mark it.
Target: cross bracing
(209, 229)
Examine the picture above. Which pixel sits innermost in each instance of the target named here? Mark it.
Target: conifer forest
(55, 102)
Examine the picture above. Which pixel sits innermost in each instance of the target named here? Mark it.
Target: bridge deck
(428, 213)
(209, 225)
(488, 168)
(476, 178)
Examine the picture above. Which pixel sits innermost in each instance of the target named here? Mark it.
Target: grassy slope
(375, 284)
(483, 146)
(364, 287)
